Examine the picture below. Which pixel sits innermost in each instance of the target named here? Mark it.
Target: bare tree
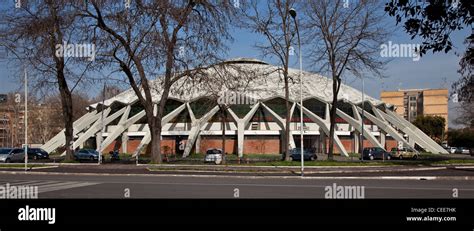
(174, 39)
(275, 23)
(344, 36)
(33, 33)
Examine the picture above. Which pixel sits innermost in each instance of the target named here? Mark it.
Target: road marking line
(66, 186)
(48, 186)
(32, 183)
(57, 184)
(18, 182)
(45, 183)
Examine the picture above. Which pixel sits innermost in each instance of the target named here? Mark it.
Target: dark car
(372, 153)
(308, 154)
(462, 150)
(86, 154)
(37, 153)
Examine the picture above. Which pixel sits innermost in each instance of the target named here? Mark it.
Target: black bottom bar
(368, 213)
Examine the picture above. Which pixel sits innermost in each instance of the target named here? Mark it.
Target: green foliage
(461, 138)
(432, 21)
(433, 126)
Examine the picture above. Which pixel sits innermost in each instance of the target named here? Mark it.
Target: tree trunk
(335, 90)
(66, 101)
(155, 131)
(66, 98)
(287, 120)
(223, 116)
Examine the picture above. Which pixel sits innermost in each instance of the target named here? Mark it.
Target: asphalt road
(161, 186)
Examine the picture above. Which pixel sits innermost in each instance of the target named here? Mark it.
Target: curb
(256, 166)
(466, 165)
(309, 172)
(255, 177)
(52, 164)
(23, 168)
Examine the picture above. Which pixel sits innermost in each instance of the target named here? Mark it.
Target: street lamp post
(102, 131)
(26, 121)
(293, 15)
(362, 132)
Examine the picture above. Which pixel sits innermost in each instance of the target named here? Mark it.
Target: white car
(452, 150)
(213, 155)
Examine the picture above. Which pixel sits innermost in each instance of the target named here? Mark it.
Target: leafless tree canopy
(170, 39)
(344, 37)
(32, 33)
(26, 33)
(274, 22)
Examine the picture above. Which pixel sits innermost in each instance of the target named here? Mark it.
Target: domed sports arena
(254, 98)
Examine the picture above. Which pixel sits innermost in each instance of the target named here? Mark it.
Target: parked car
(37, 153)
(403, 153)
(213, 155)
(462, 150)
(308, 154)
(452, 150)
(373, 153)
(8, 155)
(86, 154)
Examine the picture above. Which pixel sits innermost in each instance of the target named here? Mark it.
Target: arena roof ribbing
(266, 83)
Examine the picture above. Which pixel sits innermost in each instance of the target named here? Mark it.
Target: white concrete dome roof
(252, 77)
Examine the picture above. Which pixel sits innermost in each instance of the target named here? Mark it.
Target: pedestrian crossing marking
(49, 186)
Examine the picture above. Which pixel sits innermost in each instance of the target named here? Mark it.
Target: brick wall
(389, 144)
(206, 143)
(271, 145)
(252, 145)
(132, 145)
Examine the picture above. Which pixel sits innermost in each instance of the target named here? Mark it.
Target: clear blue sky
(432, 71)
